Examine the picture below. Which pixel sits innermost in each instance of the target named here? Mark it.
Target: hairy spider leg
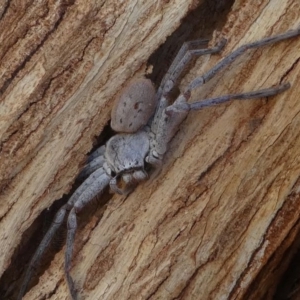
(182, 59)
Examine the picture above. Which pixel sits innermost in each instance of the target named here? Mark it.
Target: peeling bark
(217, 220)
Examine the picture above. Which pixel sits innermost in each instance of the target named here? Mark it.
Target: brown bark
(217, 220)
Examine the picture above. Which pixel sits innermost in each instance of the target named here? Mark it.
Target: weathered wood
(227, 197)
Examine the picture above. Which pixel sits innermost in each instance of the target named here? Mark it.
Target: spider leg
(241, 96)
(96, 182)
(186, 46)
(56, 223)
(198, 81)
(181, 60)
(95, 161)
(91, 167)
(172, 117)
(98, 152)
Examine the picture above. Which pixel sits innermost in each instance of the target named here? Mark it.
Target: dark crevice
(273, 269)
(198, 24)
(10, 280)
(4, 9)
(105, 135)
(289, 286)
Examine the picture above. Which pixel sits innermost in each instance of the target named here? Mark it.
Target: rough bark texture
(218, 219)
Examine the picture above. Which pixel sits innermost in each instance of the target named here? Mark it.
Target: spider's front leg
(166, 121)
(174, 114)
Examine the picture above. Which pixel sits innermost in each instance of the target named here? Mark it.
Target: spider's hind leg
(91, 187)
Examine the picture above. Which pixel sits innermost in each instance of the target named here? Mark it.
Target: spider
(145, 122)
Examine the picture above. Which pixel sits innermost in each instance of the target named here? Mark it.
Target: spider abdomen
(134, 107)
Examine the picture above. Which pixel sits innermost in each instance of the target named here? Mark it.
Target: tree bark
(217, 220)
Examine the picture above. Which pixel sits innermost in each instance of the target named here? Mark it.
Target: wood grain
(227, 199)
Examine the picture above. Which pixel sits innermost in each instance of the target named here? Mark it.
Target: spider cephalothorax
(125, 156)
